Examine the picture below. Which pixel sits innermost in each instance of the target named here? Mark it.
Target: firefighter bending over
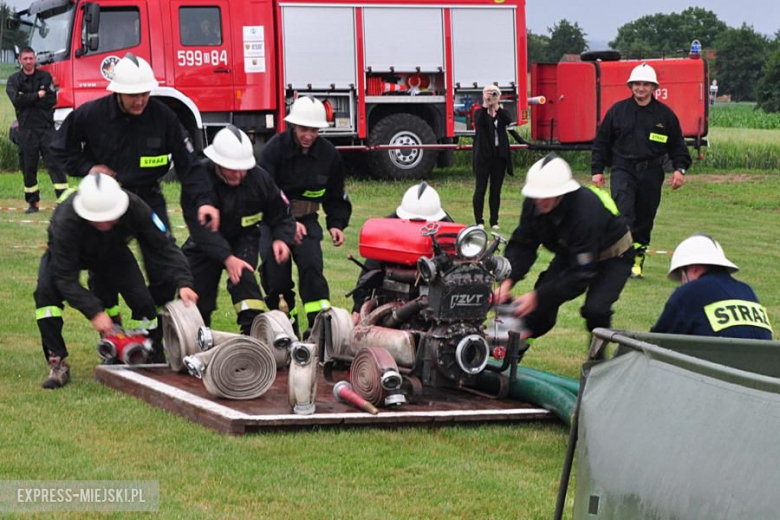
(245, 196)
(309, 172)
(90, 230)
(710, 302)
(591, 243)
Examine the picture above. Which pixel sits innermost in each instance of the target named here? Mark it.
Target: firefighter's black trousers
(277, 279)
(603, 291)
(246, 295)
(122, 276)
(637, 196)
(34, 142)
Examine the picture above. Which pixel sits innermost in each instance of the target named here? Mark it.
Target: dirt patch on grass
(724, 178)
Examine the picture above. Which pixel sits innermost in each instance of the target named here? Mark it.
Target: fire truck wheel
(402, 129)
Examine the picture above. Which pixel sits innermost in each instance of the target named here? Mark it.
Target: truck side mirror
(90, 41)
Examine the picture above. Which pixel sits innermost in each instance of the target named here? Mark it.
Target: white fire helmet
(421, 202)
(100, 199)
(231, 149)
(307, 111)
(132, 75)
(699, 249)
(643, 72)
(549, 177)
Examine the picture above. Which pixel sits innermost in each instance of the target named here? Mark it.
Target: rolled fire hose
(180, 332)
(302, 379)
(341, 331)
(374, 376)
(240, 367)
(273, 329)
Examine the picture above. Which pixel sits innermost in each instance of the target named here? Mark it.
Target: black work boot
(158, 352)
(59, 373)
(32, 208)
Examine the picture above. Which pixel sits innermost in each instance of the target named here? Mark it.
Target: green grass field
(89, 432)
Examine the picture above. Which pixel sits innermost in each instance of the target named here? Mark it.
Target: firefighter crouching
(90, 230)
(591, 243)
(245, 195)
(309, 172)
(710, 302)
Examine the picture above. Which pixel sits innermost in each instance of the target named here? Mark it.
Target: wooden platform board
(186, 396)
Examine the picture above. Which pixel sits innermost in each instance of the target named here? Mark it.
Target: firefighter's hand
(102, 323)
(677, 179)
(597, 179)
(188, 296)
(235, 266)
(281, 251)
(525, 304)
(337, 235)
(355, 318)
(102, 168)
(300, 232)
(502, 294)
(208, 216)
(41, 93)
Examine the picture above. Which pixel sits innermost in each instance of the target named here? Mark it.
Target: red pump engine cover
(401, 241)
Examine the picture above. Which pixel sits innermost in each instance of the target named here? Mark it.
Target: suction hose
(180, 332)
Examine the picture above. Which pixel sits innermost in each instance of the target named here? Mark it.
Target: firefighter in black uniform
(309, 172)
(710, 302)
(638, 137)
(129, 136)
(245, 195)
(90, 230)
(34, 95)
(591, 243)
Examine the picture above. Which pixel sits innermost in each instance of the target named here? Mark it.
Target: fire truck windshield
(50, 33)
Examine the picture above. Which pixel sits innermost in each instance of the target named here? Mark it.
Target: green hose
(572, 385)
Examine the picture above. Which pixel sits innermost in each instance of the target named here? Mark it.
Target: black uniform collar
(650, 107)
(292, 147)
(114, 112)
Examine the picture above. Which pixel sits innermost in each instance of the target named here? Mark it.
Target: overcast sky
(600, 19)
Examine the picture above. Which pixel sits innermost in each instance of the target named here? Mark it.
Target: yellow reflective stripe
(65, 194)
(319, 305)
(658, 138)
(154, 162)
(605, 198)
(143, 324)
(51, 311)
(293, 312)
(60, 185)
(251, 220)
(249, 305)
(160, 309)
(731, 313)
(113, 311)
(314, 194)
(31, 189)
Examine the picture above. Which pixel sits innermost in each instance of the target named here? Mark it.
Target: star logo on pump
(107, 66)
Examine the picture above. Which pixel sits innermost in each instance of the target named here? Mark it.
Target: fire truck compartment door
(478, 57)
(319, 47)
(576, 100)
(403, 38)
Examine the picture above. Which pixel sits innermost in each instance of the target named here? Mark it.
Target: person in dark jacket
(491, 157)
(90, 230)
(638, 137)
(309, 171)
(590, 241)
(245, 195)
(710, 302)
(34, 95)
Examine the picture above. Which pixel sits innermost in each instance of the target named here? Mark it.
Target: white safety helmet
(643, 72)
(100, 199)
(549, 177)
(231, 149)
(421, 202)
(307, 111)
(132, 75)
(699, 249)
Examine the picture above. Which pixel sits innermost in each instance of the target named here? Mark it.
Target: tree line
(746, 64)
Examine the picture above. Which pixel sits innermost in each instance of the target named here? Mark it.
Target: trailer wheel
(402, 129)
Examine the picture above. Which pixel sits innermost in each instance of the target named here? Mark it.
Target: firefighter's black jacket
(75, 245)
(136, 147)
(577, 230)
(631, 133)
(32, 111)
(317, 176)
(241, 209)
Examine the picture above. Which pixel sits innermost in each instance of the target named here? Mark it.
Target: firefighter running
(90, 230)
(245, 196)
(309, 172)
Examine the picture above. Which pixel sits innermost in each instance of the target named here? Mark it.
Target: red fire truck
(398, 77)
